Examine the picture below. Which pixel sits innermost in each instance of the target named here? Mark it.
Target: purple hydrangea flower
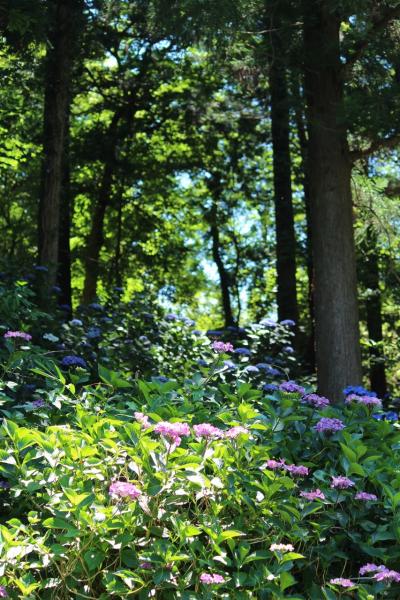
(3, 592)
(315, 400)
(329, 425)
(371, 568)
(341, 483)
(274, 464)
(73, 361)
(288, 349)
(222, 347)
(288, 323)
(291, 387)
(268, 323)
(297, 471)
(39, 403)
(365, 496)
(4, 485)
(313, 495)
(17, 335)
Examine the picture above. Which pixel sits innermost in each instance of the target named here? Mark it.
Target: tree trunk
(64, 251)
(96, 235)
(303, 141)
(224, 279)
(56, 106)
(369, 272)
(336, 310)
(284, 224)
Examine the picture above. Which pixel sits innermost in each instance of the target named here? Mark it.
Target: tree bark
(96, 235)
(370, 276)
(56, 106)
(303, 141)
(224, 279)
(64, 251)
(284, 223)
(336, 311)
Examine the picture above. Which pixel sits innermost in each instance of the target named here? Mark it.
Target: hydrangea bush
(213, 480)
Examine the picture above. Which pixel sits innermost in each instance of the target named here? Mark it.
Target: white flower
(50, 337)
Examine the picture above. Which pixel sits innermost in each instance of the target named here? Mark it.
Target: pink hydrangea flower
(123, 489)
(346, 583)
(297, 471)
(233, 432)
(222, 347)
(387, 575)
(173, 431)
(143, 420)
(18, 335)
(341, 483)
(281, 548)
(208, 431)
(275, 464)
(365, 496)
(146, 565)
(313, 495)
(366, 400)
(211, 578)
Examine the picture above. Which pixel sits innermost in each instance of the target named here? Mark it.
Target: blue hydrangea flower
(359, 391)
(197, 332)
(202, 363)
(171, 317)
(93, 333)
(288, 349)
(230, 364)
(76, 322)
(243, 351)
(288, 323)
(41, 269)
(268, 323)
(252, 369)
(386, 416)
(65, 307)
(95, 306)
(214, 332)
(73, 361)
(270, 387)
(161, 378)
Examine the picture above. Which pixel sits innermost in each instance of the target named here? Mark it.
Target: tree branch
(382, 144)
(378, 24)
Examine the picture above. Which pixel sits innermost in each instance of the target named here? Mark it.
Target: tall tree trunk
(336, 310)
(224, 279)
(369, 272)
(56, 106)
(96, 235)
(284, 223)
(303, 141)
(64, 251)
